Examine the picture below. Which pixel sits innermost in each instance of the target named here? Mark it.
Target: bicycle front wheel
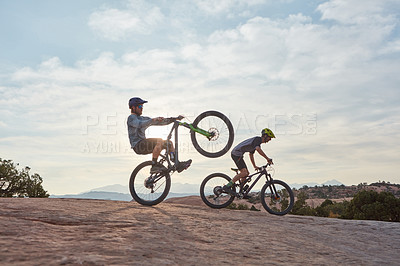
(221, 129)
(211, 191)
(149, 189)
(277, 197)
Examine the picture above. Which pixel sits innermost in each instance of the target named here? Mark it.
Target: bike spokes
(150, 189)
(146, 188)
(212, 193)
(154, 182)
(213, 136)
(277, 197)
(219, 134)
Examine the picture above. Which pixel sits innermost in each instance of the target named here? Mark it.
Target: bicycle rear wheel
(277, 197)
(211, 191)
(149, 189)
(220, 126)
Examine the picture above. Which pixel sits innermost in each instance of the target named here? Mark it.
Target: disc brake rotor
(214, 132)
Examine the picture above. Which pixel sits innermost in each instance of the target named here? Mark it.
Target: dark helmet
(135, 101)
(268, 132)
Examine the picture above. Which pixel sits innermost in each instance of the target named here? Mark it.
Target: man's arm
(251, 155)
(161, 121)
(261, 152)
(135, 122)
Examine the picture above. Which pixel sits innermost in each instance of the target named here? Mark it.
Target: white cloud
(263, 71)
(140, 17)
(356, 11)
(226, 6)
(295, 52)
(391, 47)
(114, 24)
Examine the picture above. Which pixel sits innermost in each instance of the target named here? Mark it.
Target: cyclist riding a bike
(249, 145)
(137, 124)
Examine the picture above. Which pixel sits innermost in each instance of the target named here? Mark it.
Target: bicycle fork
(274, 193)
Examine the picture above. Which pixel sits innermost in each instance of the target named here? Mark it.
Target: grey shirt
(248, 145)
(137, 126)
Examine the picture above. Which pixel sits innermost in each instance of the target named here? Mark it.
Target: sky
(322, 74)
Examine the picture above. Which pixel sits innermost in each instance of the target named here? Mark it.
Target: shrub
(240, 206)
(19, 183)
(371, 205)
(255, 199)
(300, 207)
(331, 209)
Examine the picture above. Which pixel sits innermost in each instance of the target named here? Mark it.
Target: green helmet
(268, 132)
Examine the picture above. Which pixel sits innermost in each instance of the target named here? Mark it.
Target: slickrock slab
(96, 232)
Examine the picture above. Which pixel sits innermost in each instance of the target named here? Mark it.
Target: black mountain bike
(212, 136)
(276, 196)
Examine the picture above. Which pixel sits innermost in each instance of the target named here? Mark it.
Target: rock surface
(96, 232)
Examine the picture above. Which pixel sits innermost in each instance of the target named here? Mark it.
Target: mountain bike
(212, 136)
(276, 196)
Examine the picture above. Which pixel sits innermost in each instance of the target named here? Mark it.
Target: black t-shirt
(248, 145)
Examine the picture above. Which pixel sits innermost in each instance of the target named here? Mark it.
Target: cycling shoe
(180, 166)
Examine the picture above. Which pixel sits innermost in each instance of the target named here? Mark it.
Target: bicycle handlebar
(263, 167)
(176, 118)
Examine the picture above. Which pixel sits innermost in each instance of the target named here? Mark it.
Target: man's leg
(180, 166)
(171, 150)
(162, 145)
(153, 146)
(228, 187)
(156, 145)
(242, 174)
(159, 145)
(157, 150)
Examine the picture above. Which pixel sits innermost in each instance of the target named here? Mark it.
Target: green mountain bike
(212, 136)
(276, 196)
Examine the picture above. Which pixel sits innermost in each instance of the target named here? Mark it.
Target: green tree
(327, 202)
(300, 207)
(15, 183)
(371, 205)
(323, 210)
(328, 208)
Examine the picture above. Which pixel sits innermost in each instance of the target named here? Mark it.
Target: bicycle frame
(211, 134)
(175, 128)
(248, 179)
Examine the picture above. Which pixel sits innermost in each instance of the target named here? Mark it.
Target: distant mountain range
(104, 195)
(121, 192)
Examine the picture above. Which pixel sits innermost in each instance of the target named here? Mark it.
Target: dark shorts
(146, 146)
(239, 161)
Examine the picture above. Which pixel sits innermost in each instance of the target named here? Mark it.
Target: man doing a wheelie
(137, 124)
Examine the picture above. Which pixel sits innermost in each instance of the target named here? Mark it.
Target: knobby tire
(207, 191)
(140, 193)
(278, 207)
(225, 138)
